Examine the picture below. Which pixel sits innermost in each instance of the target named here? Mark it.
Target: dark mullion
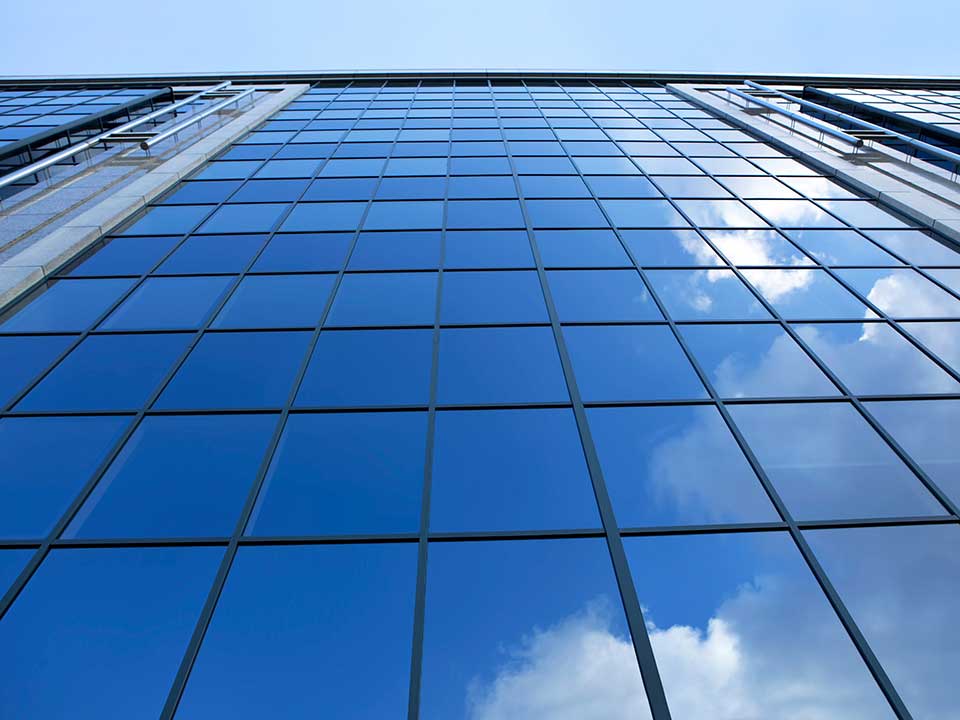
(206, 615)
(423, 538)
(853, 630)
(13, 592)
(649, 673)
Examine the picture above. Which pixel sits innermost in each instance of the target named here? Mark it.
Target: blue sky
(114, 36)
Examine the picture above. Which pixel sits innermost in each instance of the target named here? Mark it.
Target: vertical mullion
(420, 595)
(833, 597)
(642, 647)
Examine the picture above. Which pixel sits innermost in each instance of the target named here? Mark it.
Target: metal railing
(855, 121)
(193, 119)
(803, 119)
(80, 147)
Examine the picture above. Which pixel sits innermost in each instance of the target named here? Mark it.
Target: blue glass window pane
(756, 247)
(504, 616)
(68, 305)
(901, 584)
(755, 361)
(509, 470)
(236, 170)
(126, 256)
(601, 296)
(834, 465)
(643, 213)
(874, 359)
(400, 215)
(257, 217)
(581, 248)
(492, 297)
(841, 247)
(606, 166)
(902, 293)
(916, 247)
(338, 474)
(237, 370)
(630, 363)
(108, 372)
(680, 186)
(705, 295)
(261, 191)
(276, 301)
(553, 186)
(565, 214)
(283, 641)
(721, 213)
(670, 248)
(807, 294)
(727, 605)
(324, 216)
(492, 249)
(199, 192)
(396, 251)
(213, 253)
(122, 618)
(369, 367)
(341, 189)
(23, 358)
(794, 214)
(623, 186)
(484, 186)
(479, 166)
(37, 483)
(168, 303)
(926, 430)
(415, 166)
(385, 299)
(676, 465)
(288, 169)
(544, 166)
(465, 214)
(304, 252)
(169, 220)
(411, 188)
(500, 365)
(184, 476)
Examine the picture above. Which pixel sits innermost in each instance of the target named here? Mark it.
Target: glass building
(481, 396)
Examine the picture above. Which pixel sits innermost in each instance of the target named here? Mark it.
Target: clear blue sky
(112, 36)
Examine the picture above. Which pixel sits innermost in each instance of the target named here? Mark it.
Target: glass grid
(383, 271)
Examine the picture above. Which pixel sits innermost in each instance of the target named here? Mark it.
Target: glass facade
(487, 399)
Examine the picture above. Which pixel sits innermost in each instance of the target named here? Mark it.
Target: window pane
(755, 361)
(926, 430)
(304, 253)
(500, 365)
(237, 370)
(38, 485)
(385, 299)
(565, 214)
(182, 476)
(901, 585)
(256, 217)
(581, 248)
(107, 372)
(369, 367)
(337, 474)
(705, 295)
(841, 247)
(834, 464)
(126, 256)
(414, 215)
(509, 470)
(601, 296)
(213, 254)
(122, 618)
(284, 638)
(902, 293)
(716, 610)
(492, 297)
(630, 363)
(176, 303)
(874, 359)
(675, 465)
(396, 251)
(276, 301)
(23, 358)
(807, 294)
(490, 249)
(69, 305)
(505, 617)
(463, 214)
(756, 247)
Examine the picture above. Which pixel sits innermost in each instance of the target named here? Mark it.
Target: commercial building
(479, 395)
